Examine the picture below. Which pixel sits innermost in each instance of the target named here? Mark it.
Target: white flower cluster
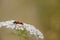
(6, 23)
(28, 27)
(33, 30)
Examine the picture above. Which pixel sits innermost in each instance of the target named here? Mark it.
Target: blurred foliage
(22, 34)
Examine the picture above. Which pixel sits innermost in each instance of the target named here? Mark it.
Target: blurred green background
(44, 14)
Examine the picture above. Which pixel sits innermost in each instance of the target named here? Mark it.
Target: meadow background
(44, 14)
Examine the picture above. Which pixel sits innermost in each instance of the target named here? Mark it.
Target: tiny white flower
(21, 28)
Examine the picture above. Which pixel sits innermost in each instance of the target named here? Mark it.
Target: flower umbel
(13, 24)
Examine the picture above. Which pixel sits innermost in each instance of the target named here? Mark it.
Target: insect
(17, 22)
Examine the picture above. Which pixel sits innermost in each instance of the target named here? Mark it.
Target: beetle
(17, 22)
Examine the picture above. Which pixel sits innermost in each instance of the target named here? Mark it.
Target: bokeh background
(44, 14)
